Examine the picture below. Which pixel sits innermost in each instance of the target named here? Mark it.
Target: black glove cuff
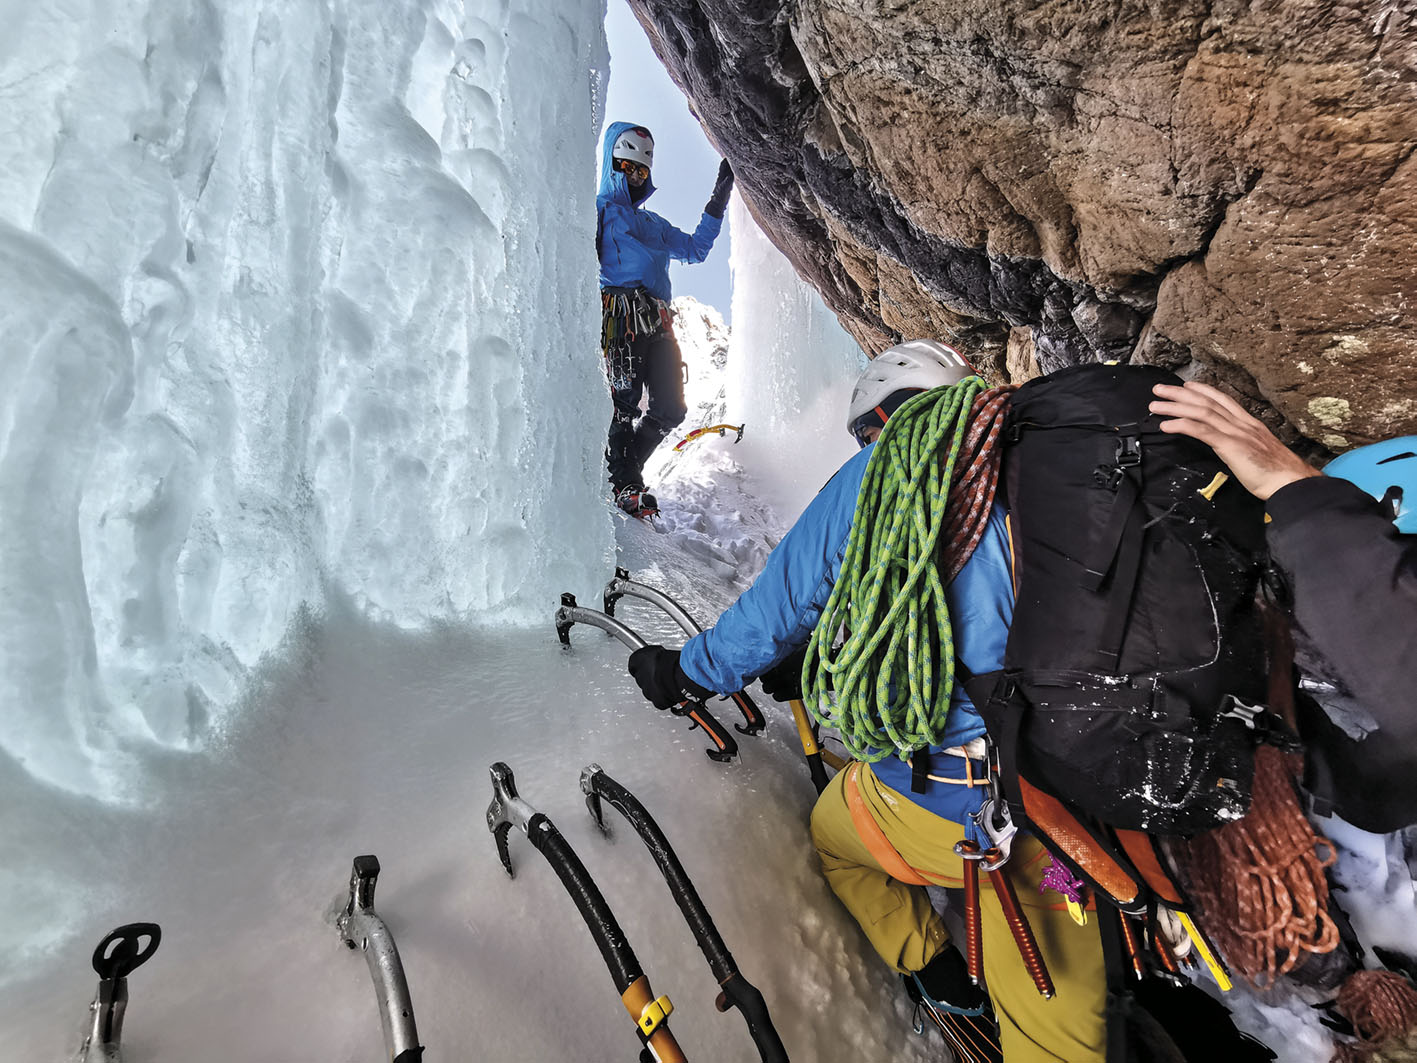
(688, 686)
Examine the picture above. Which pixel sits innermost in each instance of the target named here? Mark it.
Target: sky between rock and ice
(301, 438)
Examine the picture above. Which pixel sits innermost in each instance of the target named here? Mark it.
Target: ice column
(791, 367)
(294, 300)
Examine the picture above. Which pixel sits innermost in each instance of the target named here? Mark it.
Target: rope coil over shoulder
(922, 508)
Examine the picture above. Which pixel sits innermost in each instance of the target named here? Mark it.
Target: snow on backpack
(1134, 675)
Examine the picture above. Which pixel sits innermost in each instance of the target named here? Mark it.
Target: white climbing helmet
(913, 365)
(636, 145)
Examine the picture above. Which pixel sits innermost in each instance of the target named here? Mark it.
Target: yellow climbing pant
(908, 933)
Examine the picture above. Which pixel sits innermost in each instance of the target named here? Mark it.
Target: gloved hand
(783, 681)
(718, 201)
(661, 680)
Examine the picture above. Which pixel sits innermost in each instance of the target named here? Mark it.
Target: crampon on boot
(959, 1009)
(636, 501)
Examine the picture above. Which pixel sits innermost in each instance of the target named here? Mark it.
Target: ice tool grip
(122, 951)
(622, 586)
(739, 993)
(736, 990)
(570, 614)
(970, 853)
(751, 713)
(811, 748)
(718, 734)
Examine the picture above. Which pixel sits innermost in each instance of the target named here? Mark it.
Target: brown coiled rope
(1259, 881)
(972, 489)
(1381, 1005)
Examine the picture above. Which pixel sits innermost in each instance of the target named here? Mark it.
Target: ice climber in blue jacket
(635, 247)
(769, 623)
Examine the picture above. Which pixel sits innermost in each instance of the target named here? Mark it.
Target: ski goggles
(630, 168)
(863, 426)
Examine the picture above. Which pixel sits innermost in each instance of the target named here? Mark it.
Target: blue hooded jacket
(635, 244)
(779, 611)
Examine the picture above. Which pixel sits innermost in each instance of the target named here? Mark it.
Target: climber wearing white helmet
(635, 247)
(896, 374)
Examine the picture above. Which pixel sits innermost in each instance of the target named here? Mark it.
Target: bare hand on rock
(1259, 461)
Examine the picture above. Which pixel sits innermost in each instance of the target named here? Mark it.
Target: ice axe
(570, 614)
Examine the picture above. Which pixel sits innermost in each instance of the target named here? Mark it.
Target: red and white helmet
(636, 145)
(915, 365)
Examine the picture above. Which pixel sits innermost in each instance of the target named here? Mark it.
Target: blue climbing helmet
(1388, 472)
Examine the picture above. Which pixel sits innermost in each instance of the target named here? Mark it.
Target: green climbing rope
(880, 690)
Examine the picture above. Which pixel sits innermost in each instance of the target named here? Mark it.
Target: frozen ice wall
(295, 300)
(791, 367)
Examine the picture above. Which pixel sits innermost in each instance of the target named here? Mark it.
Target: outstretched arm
(1259, 461)
(1354, 582)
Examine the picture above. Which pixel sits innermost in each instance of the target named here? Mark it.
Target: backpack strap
(1115, 550)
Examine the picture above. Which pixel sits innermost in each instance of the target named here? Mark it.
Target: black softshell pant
(656, 366)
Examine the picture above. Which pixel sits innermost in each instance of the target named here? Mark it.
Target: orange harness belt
(877, 844)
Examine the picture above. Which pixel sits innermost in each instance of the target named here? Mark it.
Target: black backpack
(1134, 674)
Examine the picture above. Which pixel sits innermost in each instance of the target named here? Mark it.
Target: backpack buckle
(1250, 715)
(1128, 452)
(1267, 726)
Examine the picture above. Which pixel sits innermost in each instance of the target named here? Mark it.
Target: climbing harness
(626, 314)
(117, 956)
(569, 614)
(622, 586)
(736, 991)
(922, 508)
(649, 1013)
(721, 429)
(360, 927)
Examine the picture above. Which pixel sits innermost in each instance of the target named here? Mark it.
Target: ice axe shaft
(360, 927)
(649, 1013)
(737, 991)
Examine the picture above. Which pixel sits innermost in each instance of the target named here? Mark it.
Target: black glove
(661, 680)
(718, 202)
(783, 681)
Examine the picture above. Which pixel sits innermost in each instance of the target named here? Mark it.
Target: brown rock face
(1222, 187)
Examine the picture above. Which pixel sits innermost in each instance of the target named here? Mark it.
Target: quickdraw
(721, 429)
(625, 315)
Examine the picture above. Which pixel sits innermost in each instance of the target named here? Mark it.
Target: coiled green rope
(889, 597)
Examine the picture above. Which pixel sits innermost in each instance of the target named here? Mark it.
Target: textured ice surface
(299, 395)
(298, 303)
(368, 738)
(793, 404)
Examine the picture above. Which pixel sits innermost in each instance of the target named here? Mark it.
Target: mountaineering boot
(958, 1008)
(636, 501)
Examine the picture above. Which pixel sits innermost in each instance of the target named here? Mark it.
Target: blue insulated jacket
(635, 244)
(779, 611)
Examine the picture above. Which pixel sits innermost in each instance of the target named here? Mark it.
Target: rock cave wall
(1225, 188)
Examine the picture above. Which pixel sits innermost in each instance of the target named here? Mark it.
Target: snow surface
(301, 437)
